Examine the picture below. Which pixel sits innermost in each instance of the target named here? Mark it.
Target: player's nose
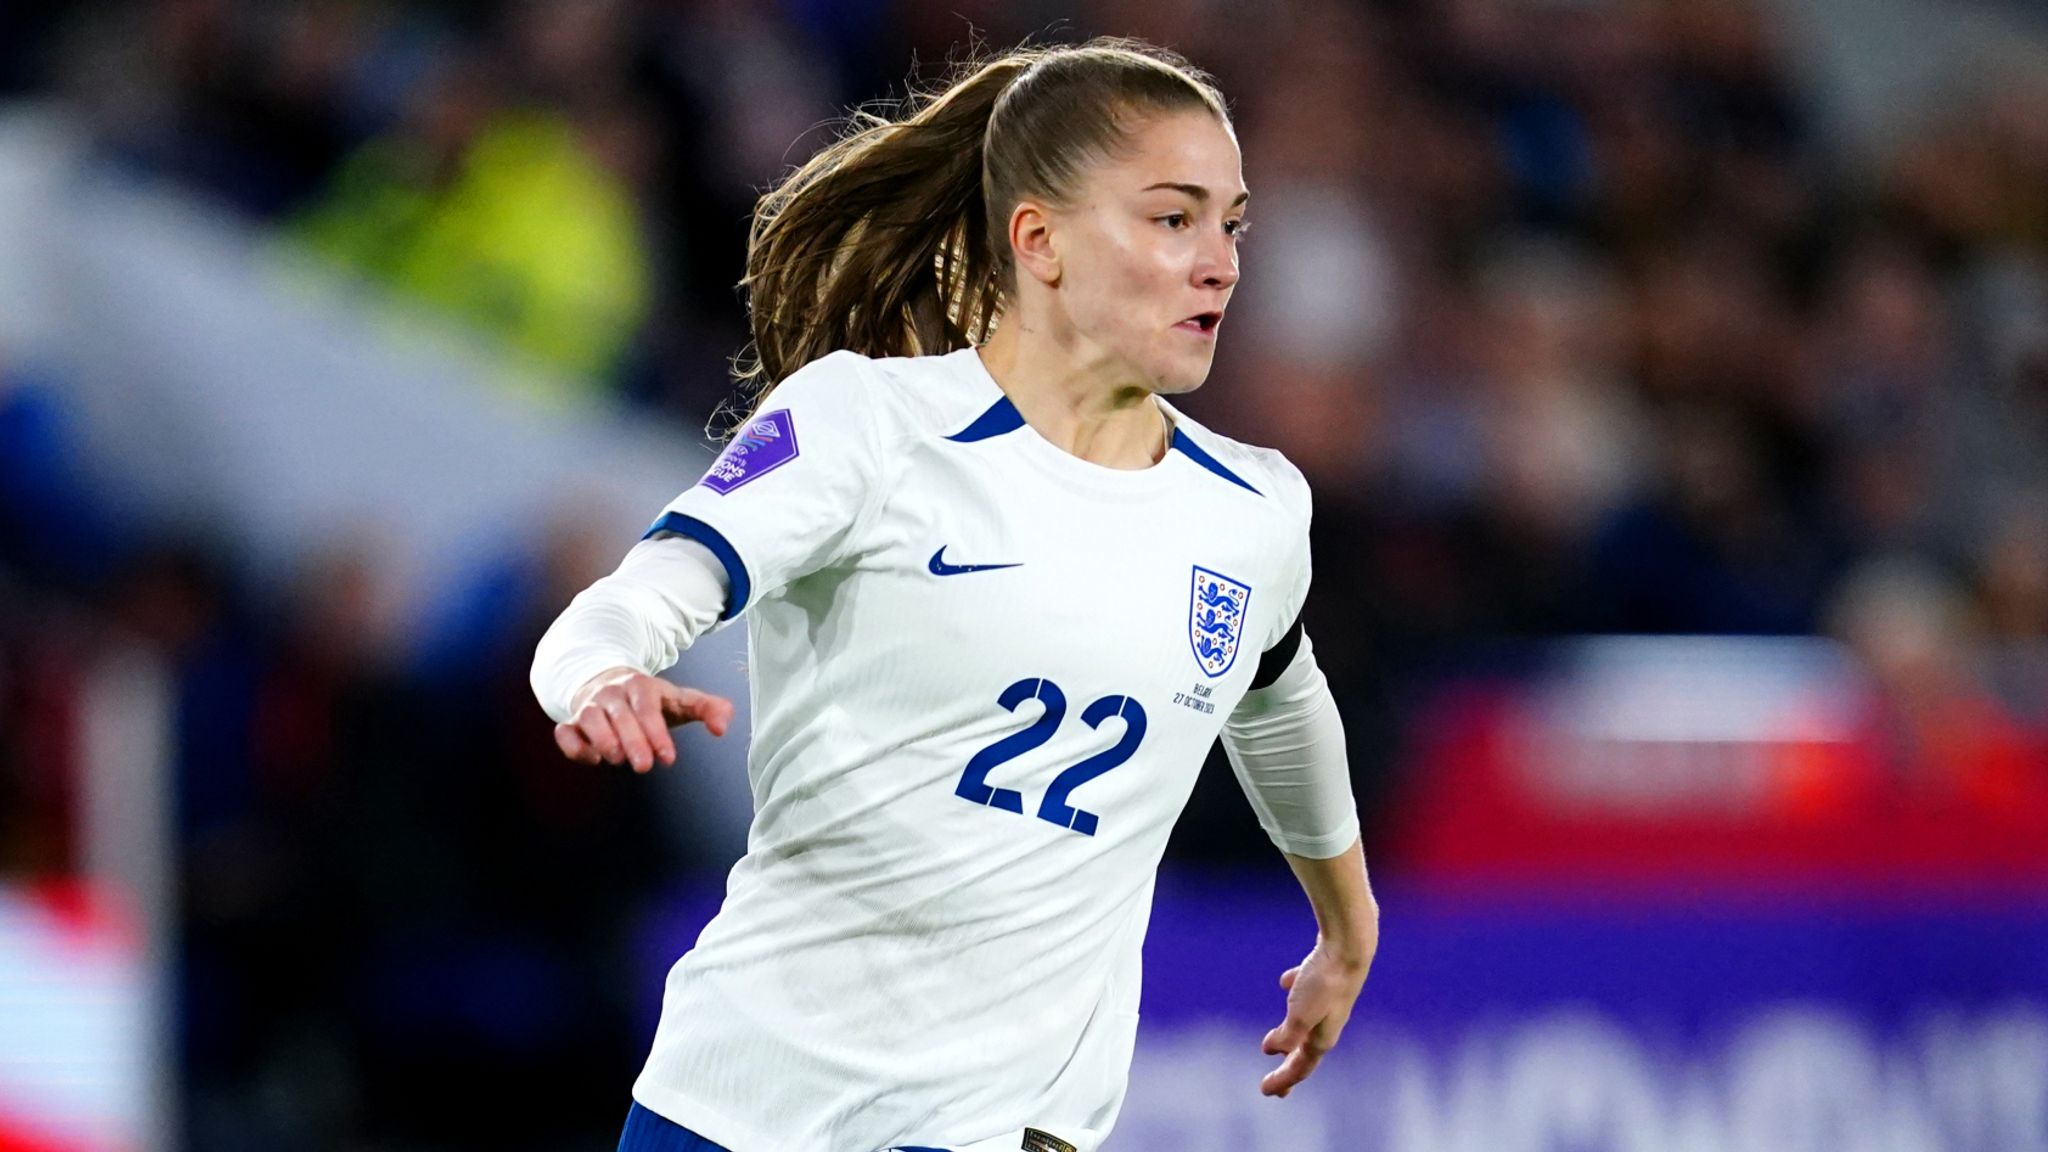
(1217, 267)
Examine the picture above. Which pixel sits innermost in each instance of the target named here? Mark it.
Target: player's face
(1150, 253)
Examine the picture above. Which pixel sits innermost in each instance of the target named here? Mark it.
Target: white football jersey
(985, 674)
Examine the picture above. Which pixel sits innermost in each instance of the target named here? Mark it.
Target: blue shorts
(649, 1132)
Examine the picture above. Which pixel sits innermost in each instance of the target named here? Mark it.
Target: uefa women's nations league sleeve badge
(765, 444)
(1216, 611)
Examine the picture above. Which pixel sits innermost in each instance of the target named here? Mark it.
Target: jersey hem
(713, 1125)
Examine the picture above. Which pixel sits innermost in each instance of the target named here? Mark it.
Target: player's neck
(1074, 404)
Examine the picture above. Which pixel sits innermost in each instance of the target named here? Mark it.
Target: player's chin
(1183, 373)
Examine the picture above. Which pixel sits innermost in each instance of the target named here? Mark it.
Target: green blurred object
(530, 238)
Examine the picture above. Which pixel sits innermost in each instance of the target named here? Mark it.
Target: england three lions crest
(1216, 611)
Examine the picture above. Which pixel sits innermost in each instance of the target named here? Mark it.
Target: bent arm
(667, 592)
(1285, 741)
(1286, 744)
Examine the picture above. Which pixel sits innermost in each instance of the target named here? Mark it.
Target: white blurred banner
(1788, 1078)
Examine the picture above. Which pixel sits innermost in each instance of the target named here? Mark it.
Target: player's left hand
(1320, 993)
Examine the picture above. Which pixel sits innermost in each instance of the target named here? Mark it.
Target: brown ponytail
(883, 242)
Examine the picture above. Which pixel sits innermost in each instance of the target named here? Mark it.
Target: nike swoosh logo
(939, 566)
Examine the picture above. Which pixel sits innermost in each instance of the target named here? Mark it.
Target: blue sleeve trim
(1195, 453)
(712, 538)
(1000, 417)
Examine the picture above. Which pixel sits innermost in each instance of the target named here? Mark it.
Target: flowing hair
(884, 242)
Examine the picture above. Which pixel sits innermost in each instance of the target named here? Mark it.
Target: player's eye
(1237, 228)
(1174, 220)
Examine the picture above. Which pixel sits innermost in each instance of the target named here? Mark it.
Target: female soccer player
(1001, 598)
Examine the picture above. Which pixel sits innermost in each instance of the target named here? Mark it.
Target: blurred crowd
(1570, 310)
(1575, 315)
(395, 908)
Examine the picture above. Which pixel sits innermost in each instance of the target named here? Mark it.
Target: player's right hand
(622, 716)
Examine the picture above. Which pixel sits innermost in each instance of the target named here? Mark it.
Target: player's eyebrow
(1196, 192)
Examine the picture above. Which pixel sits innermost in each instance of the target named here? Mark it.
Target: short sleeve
(1298, 506)
(783, 498)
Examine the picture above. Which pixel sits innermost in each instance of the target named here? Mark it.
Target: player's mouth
(1202, 324)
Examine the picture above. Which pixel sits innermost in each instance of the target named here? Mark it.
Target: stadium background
(1673, 378)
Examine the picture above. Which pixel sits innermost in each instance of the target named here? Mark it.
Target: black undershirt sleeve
(1278, 657)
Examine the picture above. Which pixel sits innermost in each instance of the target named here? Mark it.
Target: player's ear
(1031, 242)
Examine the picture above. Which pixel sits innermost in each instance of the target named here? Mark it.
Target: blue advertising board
(1591, 1021)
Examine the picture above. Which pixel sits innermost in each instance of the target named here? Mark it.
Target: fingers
(1304, 1044)
(606, 733)
(1319, 1003)
(574, 746)
(1292, 1071)
(638, 752)
(646, 705)
(596, 728)
(627, 721)
(1290, 1035)
(681, 705)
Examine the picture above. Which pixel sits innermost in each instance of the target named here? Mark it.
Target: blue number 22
(974, 779)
